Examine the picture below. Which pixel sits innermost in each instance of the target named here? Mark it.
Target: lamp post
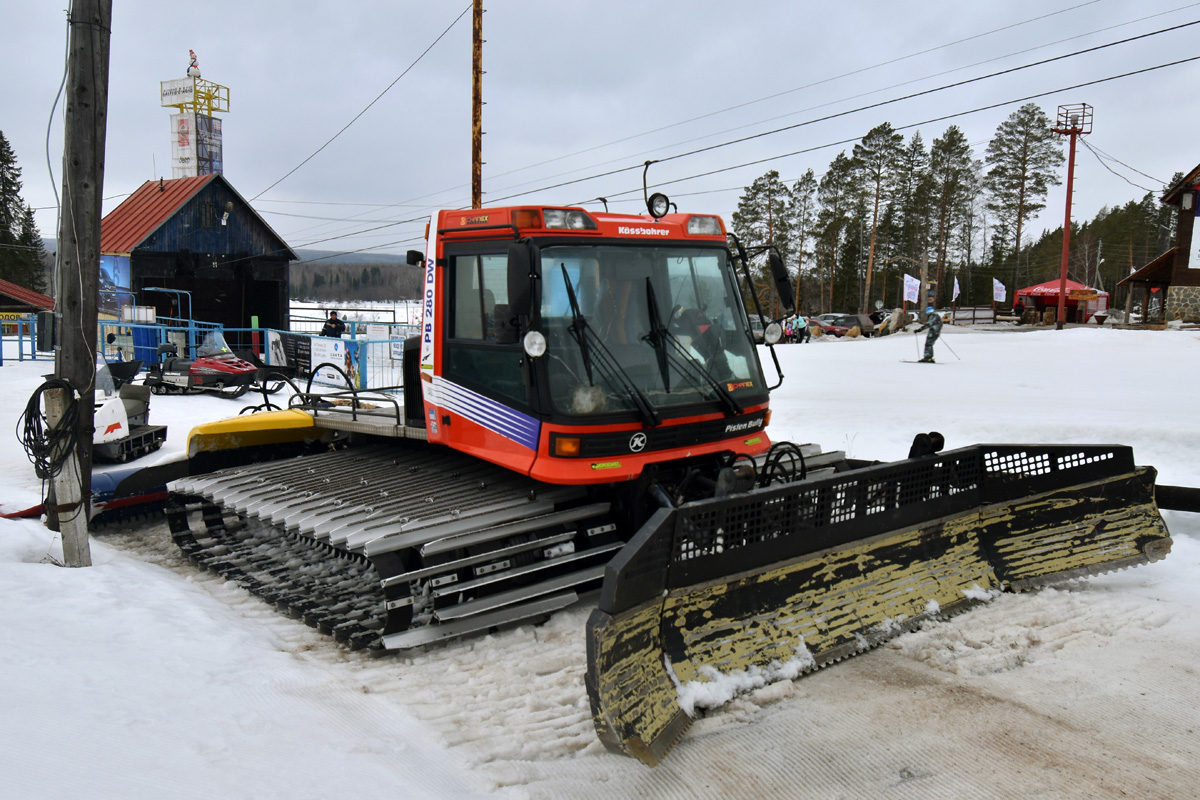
(1073, 121)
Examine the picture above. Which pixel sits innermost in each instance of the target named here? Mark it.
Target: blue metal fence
(373, 353)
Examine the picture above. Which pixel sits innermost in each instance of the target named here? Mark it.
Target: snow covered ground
(142, 676)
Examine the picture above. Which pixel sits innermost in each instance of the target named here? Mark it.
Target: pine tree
(803, 217)
(951, 175)
(763, 216)
(1023, 156)
(913, 193)
(876, 158)
(837, 194)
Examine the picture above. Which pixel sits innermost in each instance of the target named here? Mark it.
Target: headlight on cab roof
(704, 226)
(570, 219)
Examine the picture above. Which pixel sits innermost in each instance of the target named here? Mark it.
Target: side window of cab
(477, 297)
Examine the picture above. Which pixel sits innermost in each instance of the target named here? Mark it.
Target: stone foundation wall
(1183, 303)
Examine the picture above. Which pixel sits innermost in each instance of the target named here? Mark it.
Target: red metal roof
(26, 295)
(1050, 289)
(141, 214)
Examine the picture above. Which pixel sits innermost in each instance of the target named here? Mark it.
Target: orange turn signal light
(566, 446)
(527, 218)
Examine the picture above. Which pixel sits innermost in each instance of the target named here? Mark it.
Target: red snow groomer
(215, 369)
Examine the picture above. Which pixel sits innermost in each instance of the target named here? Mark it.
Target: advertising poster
(114, 285)
(340, 352)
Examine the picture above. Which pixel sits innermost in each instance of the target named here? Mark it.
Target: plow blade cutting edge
(722, 595)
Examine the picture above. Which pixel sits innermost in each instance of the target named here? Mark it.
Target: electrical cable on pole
(79, 246)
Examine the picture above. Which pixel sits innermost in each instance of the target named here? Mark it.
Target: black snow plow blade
(782, 580)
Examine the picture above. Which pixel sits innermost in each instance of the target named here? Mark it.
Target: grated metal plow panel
(374, 545)
(793, 577)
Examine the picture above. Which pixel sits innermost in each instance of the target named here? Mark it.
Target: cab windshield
(638, 328)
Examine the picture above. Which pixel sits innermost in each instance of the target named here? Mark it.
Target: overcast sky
(576, 89)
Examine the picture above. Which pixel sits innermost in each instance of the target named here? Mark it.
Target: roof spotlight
(658, 205)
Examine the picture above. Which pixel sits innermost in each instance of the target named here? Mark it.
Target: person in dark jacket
(933, 321)
(333, 326)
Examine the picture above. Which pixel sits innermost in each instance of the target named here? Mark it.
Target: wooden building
(199, 239)
(1172, 273)
(17, 303)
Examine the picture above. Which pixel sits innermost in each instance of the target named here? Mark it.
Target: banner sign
(998, 291)
(912, 288)
(181, 92)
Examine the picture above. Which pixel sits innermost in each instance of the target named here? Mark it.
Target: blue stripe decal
(496, 417)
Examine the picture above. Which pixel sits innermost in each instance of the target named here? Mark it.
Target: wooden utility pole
(477, 105)
(86, 116)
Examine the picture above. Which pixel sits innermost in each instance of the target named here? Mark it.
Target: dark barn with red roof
(199, 236)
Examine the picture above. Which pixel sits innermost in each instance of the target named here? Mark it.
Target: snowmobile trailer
(585, 413)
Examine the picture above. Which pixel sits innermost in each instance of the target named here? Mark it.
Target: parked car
(756, 327)
(826, 328)
(861, 321)
(828, 317)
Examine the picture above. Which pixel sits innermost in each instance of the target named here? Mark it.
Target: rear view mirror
(783, 282)
(519, 279)
(414, 258)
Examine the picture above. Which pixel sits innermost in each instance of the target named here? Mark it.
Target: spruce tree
(33, 253)
(21, 250)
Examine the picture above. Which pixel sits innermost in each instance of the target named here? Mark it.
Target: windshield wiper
(609, 366)
(660, 335)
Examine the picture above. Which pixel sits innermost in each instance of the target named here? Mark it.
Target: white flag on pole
(912, 288)
(998, 291)
(954, 296)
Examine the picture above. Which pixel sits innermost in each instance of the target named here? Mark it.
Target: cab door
(482, 388)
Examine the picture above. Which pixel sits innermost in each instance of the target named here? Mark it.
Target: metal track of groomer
(358, 542)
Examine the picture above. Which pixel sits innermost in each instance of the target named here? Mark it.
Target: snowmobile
(122, 416)
(215, 369)
(585, 415)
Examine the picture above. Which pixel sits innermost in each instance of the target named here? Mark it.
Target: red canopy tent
(1081, 304)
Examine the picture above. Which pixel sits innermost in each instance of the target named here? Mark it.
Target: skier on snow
(933, 321)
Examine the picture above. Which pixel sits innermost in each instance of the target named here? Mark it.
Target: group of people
(795, 329)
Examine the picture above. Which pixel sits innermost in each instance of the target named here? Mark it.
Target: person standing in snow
(800, 326)
(933, 321)
(333, 326)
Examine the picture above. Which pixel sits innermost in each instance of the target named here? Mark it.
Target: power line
(847, 141)
(373, 102)
(1095, 149)
(834, 102)
(826, 80)
(803, 87)
(880, 104)
(781, 156)
(763, 134)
